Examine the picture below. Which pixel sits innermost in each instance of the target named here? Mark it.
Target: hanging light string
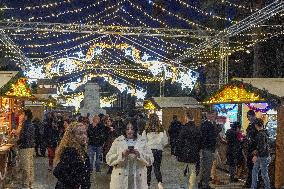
(43, 6)
(61, 42)
(236, 5)
(146, 25)
(69, 49)
(183, 19)
(45, 34)
(205, 13)
(63, 13)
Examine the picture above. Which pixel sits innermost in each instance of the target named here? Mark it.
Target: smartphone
(131, 148)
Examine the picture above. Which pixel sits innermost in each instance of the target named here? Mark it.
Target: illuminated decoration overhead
(149, 105)
(259, 107)
(187, 79)
(239, 92)
(107, 101)
(74, 100)
(231, 94)
(34, 73)
(20, 89)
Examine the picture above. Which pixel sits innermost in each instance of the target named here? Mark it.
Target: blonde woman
(72, 162)
(156, 140)
(129, 157)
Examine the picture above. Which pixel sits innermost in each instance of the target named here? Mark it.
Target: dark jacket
(189, 143)
(262, 144)
(209, 136)
(174, 130)
(27, 135)
(72, 171)
(97, 135)
(52, 137)
(234, 146)
(251, 136)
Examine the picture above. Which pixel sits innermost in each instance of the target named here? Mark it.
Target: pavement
(45, 180)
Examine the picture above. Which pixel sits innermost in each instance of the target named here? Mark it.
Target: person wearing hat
(233, 149)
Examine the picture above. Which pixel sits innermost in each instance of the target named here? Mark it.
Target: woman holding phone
(129, 157)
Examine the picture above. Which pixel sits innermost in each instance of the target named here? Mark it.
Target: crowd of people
(133, 146)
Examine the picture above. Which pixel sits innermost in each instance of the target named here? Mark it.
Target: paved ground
(45, 179)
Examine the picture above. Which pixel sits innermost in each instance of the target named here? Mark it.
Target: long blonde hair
(154, 124)
(69, 140)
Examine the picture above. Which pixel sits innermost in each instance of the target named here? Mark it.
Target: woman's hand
(125, 153)
(137, 153)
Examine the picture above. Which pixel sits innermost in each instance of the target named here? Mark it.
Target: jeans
(262, 164)
(158, 154)
(189, 180)
(207, 157)
(27, 165)
(92, 151)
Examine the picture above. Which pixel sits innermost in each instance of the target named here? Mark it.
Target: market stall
(13, 92)
(263, 95)
(166, 107)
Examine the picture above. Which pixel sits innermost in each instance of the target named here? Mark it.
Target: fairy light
(183, 19)
(236, 5)
(20, 89)
(234, 94)
(67, 11)
(204, 12)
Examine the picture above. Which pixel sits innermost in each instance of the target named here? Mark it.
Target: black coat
(27, 135)
(234, 146)
(189, 144)
(209, 136)
(174, 130)
(72, 171)
(97, 135)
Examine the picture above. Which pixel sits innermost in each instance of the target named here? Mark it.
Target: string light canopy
(150, 30)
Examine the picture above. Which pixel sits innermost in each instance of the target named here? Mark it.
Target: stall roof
(176, 102)
(274, 86)
(6, 76)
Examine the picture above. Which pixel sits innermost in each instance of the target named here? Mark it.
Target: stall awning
(171, 102)
(13, 84)
(241, 92)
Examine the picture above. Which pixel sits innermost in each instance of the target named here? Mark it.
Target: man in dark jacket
(232, 150)
(26, 144)
(251, 139)
(208, 142)
(188, 148)
(174, 130)
(261, 156)
(97, 134)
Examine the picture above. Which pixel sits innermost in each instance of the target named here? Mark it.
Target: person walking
(72, 168)
(156, 140)
(173, 131)
(208, 142)
(251, 140)
(187, 151)
(129, 156)
(261, 156)
(39, 135)
(233, 150)
(52, 142)
(97, 134)
(26, 145)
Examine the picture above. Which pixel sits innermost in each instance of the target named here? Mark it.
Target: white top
(156, 140)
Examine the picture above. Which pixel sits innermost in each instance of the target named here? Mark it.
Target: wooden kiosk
(13, 92)
(166, 107)
(269, 90)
